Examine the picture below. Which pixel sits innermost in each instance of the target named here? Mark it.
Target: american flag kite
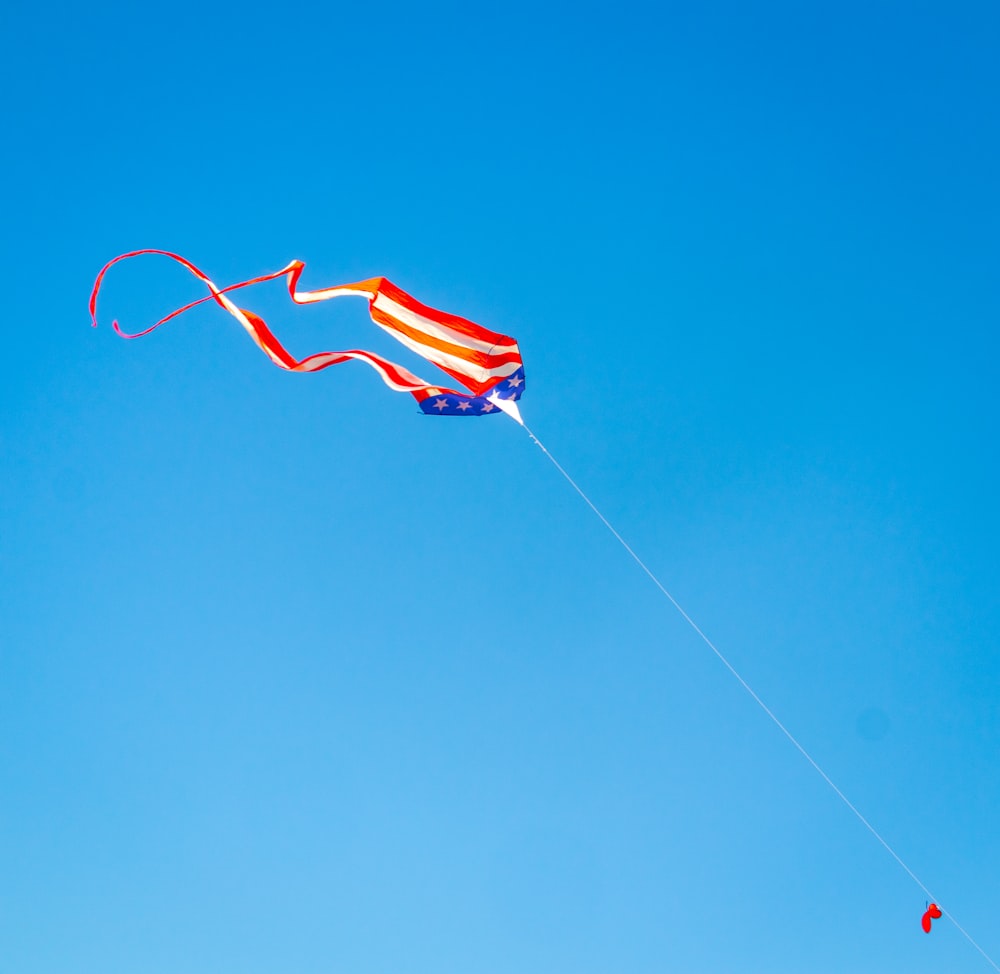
(487, 364)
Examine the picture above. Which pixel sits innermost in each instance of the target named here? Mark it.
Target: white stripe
(389, 381)
(411, 383)
(311, 297)
(435, 329)
(318, 361)
(476, 372)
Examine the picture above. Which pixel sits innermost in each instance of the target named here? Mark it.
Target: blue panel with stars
(453, 404)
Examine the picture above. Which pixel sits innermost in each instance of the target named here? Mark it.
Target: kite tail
(214, 296)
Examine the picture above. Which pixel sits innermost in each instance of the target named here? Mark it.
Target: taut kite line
(488, 364)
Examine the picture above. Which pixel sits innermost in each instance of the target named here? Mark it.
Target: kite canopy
(485, 362)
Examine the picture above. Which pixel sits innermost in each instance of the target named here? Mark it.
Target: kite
(933, 913)
(486, 363)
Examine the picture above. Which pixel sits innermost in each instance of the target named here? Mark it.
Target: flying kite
(486, 363)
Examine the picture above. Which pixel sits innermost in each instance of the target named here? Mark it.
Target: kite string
(746, 686)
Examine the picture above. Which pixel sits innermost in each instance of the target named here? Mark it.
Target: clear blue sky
(294, 679)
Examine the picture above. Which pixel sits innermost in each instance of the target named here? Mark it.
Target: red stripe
(461, 325)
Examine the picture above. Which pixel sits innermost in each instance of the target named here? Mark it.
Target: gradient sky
(294, 680)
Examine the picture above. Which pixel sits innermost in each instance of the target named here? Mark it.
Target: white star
(464, 405)
(514, 383)
(441, 404)
(487, 407)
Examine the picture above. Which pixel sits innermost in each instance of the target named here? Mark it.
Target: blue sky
(293, 678)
